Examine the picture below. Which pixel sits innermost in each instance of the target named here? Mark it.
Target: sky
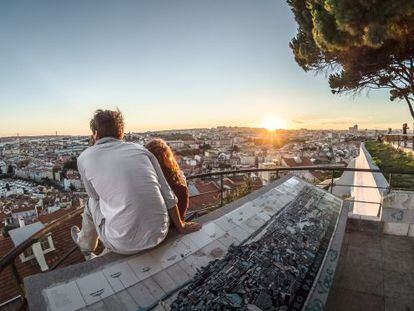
(166, 65)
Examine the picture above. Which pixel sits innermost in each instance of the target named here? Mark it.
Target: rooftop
(19, 235)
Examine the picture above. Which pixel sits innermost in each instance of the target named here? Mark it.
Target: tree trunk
(410, 106)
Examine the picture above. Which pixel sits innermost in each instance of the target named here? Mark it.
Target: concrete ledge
(393, 228)
(398, 213)
(34, 285)
(407, 150)
(373, 225)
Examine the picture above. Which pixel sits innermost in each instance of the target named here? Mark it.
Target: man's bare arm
(182, 226)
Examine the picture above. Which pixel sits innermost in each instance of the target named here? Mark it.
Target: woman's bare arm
(182, 226)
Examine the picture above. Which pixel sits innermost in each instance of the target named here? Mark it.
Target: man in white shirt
(130, 202)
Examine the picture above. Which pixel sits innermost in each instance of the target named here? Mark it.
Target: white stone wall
(347, 178)
(398, 213)
(364, 160)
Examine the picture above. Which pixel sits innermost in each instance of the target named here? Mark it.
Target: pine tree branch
(410, 106)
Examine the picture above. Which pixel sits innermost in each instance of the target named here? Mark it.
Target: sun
(272, 124)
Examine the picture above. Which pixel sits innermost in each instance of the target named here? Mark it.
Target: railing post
(379, 210)
(221, 190)
(332, 180)
(389, 182)
(412, 140)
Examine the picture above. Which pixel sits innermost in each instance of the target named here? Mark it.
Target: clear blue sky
(165, 64)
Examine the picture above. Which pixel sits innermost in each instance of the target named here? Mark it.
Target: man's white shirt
(133, 195)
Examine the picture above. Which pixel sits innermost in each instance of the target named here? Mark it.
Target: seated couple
(134, 192)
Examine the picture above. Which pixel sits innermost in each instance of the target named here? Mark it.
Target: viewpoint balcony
(295, 244)
(275, 246)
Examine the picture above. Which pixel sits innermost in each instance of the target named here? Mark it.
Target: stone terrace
(375, 272)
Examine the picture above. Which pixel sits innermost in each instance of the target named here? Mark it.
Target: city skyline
(166, 66)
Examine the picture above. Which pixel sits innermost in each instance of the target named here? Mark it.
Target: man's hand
(189, 227)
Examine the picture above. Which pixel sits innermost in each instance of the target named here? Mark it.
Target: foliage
(361, 44)
(188, 152)
(388, 159)
(206, 147)
(240, 191)
(71, 164)
(377, 161)
(47, 182)
(5, 230)
(10, 170)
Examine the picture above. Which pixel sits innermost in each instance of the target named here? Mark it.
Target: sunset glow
(199, 67)
(273, 124)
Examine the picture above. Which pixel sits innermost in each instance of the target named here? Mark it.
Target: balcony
(39, 286)
(157, 276)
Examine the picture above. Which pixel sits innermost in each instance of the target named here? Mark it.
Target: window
(28, 252)
(46, 243)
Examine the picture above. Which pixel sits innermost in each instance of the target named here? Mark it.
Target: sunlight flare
(272, 124)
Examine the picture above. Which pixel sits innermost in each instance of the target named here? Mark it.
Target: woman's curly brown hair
(165, 156)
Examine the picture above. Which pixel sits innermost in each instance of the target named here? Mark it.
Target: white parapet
(398, 213)
(399, 145)
(367, 199)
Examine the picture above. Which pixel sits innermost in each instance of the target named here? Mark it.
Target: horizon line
(192, 128)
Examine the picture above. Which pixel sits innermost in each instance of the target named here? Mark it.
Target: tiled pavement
(142, 279)
(128, 283)
(375, 272)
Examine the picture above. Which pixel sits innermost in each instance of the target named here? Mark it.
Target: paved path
(375, 272)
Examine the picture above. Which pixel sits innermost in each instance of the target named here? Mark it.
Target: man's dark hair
(108, 123)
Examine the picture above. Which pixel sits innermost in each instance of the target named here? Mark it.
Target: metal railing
(402, 140)
(277, 171)
(9, 258)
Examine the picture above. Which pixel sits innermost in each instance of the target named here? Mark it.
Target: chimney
(21, 222)
(39, 255)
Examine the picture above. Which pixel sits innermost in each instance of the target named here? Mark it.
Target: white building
(3, 167)
(74, 183)
(267, 177)
(175, 144)
(247, 160)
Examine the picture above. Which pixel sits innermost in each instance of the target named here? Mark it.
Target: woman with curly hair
(174, 176)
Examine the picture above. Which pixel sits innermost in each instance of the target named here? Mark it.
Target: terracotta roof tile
(290, 162)
(62, 242)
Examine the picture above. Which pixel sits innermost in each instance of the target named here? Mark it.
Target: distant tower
(18, 142)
